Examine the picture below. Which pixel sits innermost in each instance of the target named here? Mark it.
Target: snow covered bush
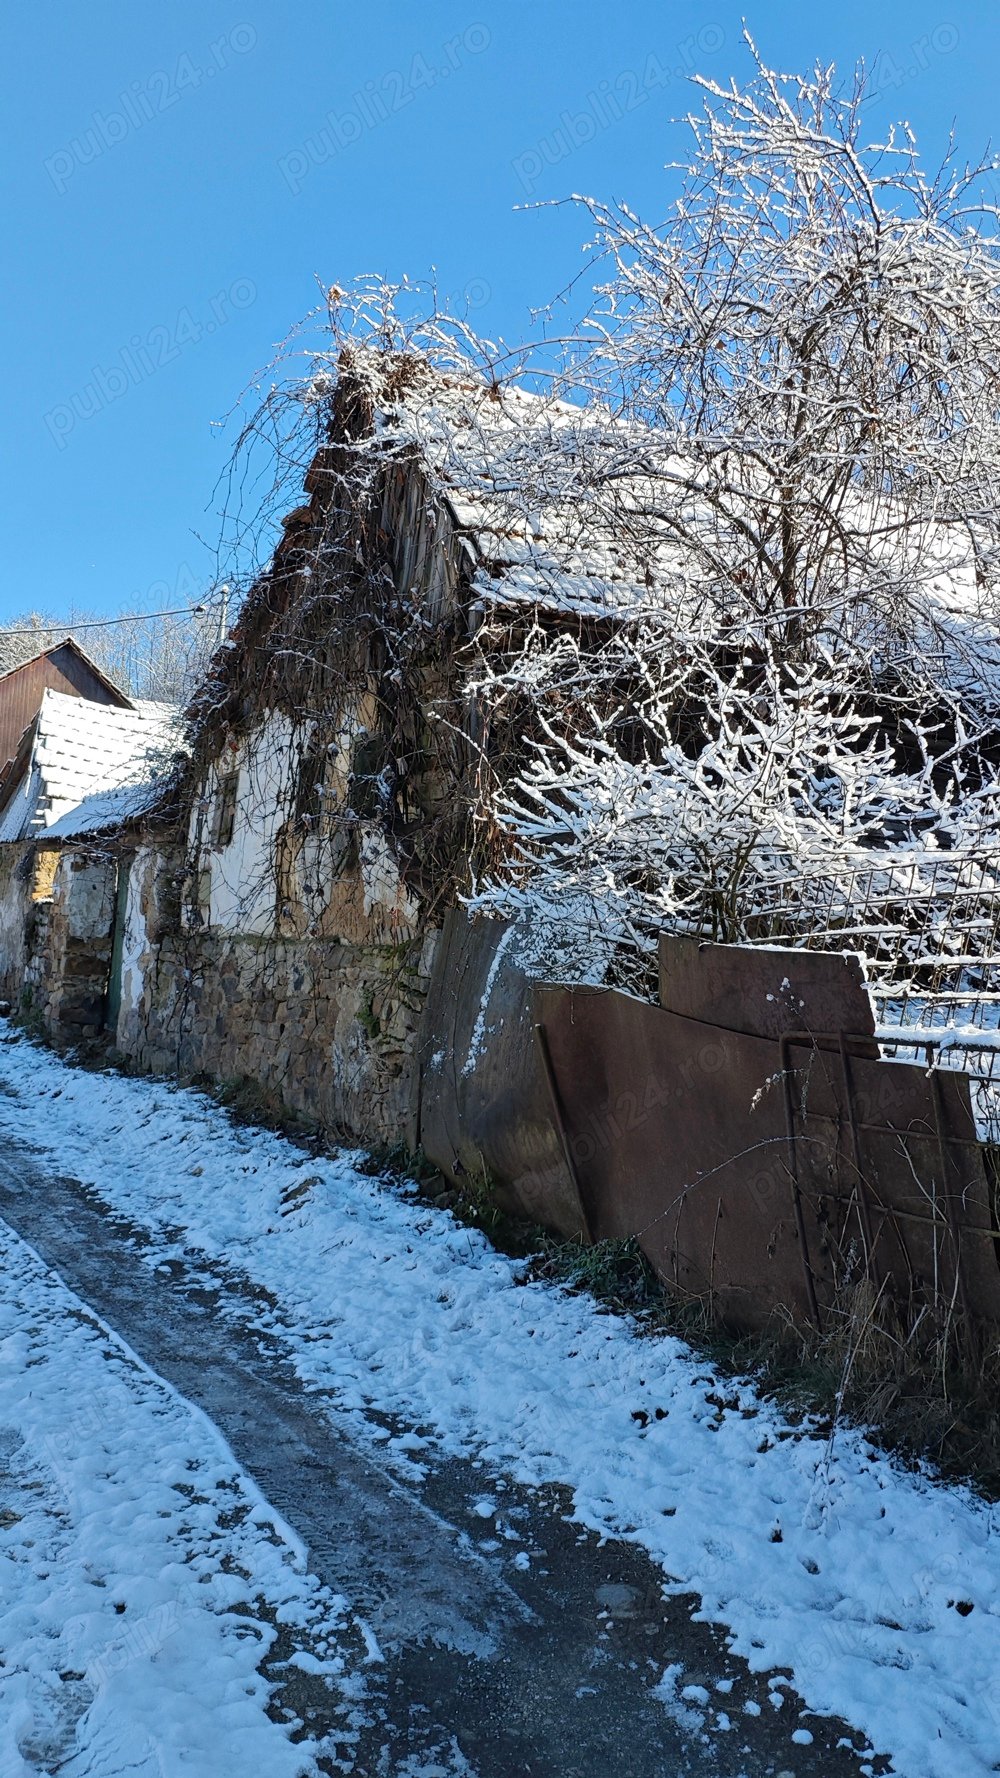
(784, 719)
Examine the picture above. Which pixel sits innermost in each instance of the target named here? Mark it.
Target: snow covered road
(464, 1411)
(143, 1578)
(483, 1623)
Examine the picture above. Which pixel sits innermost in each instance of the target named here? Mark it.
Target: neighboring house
(84, 765)
(82, 771)
(64, 668)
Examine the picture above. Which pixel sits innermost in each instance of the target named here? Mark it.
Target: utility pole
(223, 616)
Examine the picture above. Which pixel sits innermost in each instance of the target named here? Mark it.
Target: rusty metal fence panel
(767, 1168)
(481, 1104)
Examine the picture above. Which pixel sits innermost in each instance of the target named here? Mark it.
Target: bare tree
(159, 655)
(736, 659)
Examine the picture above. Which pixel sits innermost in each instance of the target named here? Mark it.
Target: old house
(454, 602)
(329, 823)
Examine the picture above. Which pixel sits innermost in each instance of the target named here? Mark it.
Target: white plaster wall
(135, 938)
(86, 889)
(383, 891)
(238, 886)
(241, 895)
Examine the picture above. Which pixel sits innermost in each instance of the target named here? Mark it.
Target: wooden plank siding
(64, 668)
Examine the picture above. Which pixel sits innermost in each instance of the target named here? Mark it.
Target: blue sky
(176, 178)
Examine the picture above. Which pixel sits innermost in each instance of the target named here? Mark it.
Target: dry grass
(931, 1393)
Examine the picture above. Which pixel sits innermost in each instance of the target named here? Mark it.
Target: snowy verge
(143, 1577)
(876, 1589)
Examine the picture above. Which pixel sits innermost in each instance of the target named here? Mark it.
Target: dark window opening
(225, 810)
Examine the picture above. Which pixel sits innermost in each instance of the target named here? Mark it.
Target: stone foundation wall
(425, 1042)
(328, 1030)
(56, 917)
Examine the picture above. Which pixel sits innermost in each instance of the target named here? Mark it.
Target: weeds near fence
(928, 1395)
(932, 1394)
(250, 1101)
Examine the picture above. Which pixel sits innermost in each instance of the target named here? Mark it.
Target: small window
(225, 810)
(311, 783)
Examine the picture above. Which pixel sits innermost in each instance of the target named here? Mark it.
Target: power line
(101, 623)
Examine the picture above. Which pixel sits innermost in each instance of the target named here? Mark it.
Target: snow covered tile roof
(91, 766)
(547, 493)
(573, 509)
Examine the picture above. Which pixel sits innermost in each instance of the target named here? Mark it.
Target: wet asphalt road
(547, 1671)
